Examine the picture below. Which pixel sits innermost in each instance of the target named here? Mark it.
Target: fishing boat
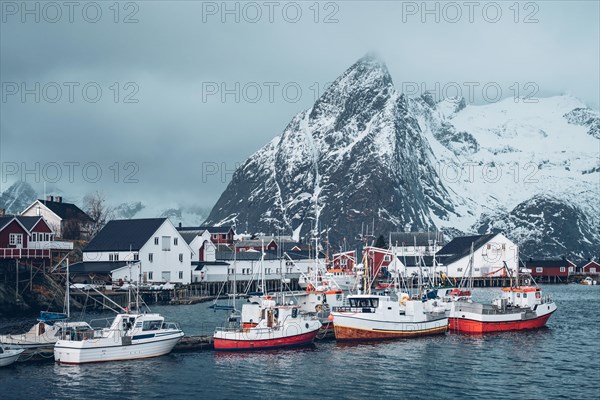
(344, 280)
(519, 307)
(263, 324)
(131, 335)
(370, 316)
(9, 356)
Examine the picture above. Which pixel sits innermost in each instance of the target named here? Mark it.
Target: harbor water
(560, 361)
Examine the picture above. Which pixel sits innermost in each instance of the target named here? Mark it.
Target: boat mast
(67, 293)
(471, 269)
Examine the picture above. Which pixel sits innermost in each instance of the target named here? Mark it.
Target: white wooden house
(154, 244)
(65, 219)
(490, 252)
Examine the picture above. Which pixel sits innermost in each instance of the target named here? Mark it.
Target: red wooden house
(590, 267)
(550, 270)
(378, 259)
(220, 234)
(344, 261)
(25, 238)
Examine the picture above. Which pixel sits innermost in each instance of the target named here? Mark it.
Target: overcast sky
(174, 136)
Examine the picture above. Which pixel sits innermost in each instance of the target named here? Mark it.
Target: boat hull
(238, 342)
(472, 322)
(354, 328)
(9, 356)
(67, 352)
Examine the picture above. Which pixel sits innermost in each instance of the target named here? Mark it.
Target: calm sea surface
(561, 361)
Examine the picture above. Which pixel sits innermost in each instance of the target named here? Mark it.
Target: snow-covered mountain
(366, 152)
(17, 197)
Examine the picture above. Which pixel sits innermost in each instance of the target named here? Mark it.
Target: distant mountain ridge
(366, 152)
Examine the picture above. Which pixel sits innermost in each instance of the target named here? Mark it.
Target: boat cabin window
(364, 303)
(294, 312)
(518, 294)
(151, 325)
(524, 294)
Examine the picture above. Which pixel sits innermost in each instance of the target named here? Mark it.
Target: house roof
(421, 238)
(5, 221)
(460, 246)
(269, 255)
(557, 263)
(211, 229)
(200, 264)
(29, 222)
(189, 236)
(66, 210)
(414, 262)
(584, 263)
(125, 234)
(96, 267)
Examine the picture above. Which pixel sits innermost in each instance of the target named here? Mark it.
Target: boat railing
(354, 309)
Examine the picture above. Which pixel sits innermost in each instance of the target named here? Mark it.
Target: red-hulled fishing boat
(518, 308)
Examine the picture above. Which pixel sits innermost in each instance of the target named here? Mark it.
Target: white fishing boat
(9, 356)
(130, 336)
(370, 316)
(376, 317)
(43, 334)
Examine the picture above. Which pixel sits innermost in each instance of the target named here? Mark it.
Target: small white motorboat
(9, 356)
(130, 336)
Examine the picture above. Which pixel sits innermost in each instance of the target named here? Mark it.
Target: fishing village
(275, 291)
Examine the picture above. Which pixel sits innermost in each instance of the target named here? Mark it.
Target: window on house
(539, 269)
(386, 257)
(47, 237)
(180, 257)
(166, 243)
(34, 237)
(116, 256)
(180, 274)
(150, 257)
(562, 269)
(570, 269)
(110, 257)
(214, 236)
(136, 256)
(503, 246)
(156, 240)
(489, 246)
(593, 269)
(166, 276)
(344, 261)
(224, 236)
(175, 241)
(150, 276)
